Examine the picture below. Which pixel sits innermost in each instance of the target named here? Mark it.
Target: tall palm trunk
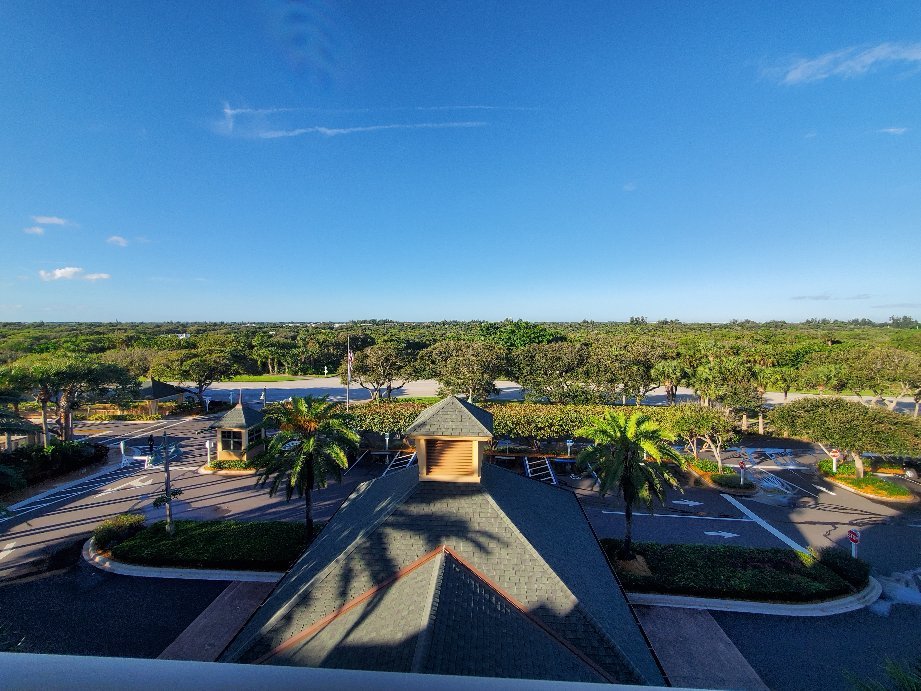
(308, 501)
(44, 422)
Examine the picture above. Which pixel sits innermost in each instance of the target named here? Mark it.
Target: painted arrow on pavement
(134, 484)
(6, 550)
(688, 502)
(720, 533)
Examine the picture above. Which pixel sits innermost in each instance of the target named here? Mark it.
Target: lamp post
(386, 441)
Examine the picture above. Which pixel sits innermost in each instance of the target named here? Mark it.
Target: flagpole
(348, 378)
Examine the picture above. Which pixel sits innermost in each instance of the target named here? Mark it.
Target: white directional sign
(720, 533)
(687, 502)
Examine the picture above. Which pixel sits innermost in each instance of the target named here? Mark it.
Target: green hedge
(738, 573)
(730, 480)
(847, 474)
(514, 420)
(231, 464)
(261, 546)
(36, 463)
(854, 571)
(114, 530)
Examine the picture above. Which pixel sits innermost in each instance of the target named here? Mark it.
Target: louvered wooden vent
(449, 457)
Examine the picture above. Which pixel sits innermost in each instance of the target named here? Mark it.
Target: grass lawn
(243, 378)
(871, 484)
(245, 545)
(740, 573)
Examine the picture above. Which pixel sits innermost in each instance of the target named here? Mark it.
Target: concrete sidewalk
(694, 651)
(206, 637)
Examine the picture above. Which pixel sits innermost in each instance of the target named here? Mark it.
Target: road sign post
(854, 537)
(835, 455)
(741, 473)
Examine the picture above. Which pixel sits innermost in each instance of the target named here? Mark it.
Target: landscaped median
(869, 485)
(739, 573)
(228, 545)
(727, 481)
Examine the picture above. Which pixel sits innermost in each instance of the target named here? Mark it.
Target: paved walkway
(695, 651)
(206, 637)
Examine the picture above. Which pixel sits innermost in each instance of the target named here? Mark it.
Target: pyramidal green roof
(501, 579)
(239, 417)
(452, 417)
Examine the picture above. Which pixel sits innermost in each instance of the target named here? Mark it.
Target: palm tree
(313, 442)
(626, 455)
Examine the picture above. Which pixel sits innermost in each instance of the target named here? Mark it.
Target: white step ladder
(400, 461)
(539, 469)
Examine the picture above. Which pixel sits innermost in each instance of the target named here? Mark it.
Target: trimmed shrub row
(117, 529)
(742, 573)
(36, 463)
(256, 545)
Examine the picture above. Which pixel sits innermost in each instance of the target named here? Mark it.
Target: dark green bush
(36, 463)
(231, 464)
(740, 573)
(263, 545)
(115, 530)
(854, 571)
(705, 465)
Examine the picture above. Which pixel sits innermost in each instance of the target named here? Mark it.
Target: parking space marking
(681, 515)
(764, 524)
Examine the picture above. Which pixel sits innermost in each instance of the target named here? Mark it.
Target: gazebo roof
(499, 579)
(239, 417)
(10, 422)
(155, 390)
(452, 417)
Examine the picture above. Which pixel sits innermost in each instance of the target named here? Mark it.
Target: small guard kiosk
(235, 431)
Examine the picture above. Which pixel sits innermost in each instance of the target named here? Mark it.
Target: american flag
(351, 358)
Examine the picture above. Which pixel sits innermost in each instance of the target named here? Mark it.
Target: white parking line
(764, 524)
(681, 515)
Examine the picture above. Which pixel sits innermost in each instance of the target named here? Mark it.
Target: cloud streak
(69, 273)
(117, 240)
(34, 230)
(852, 62)
(822, 297)
(52, 221)
(337, 131)
(893, 130)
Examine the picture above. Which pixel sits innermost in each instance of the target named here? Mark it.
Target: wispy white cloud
(34, 230)
(66, 273)
(893, 130)
(850, 62)
(336, 131)
(69, 273)
(117, 240)
(827, 296)
(629, 187)
(52, 221)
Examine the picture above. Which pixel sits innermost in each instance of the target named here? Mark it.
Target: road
(34, 531)
(801, 652)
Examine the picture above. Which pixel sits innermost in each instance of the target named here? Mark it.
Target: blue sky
(416, 160)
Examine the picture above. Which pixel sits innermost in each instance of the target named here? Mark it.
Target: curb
(848, 603)
(92, 557)
(707, 482)
(875, 497)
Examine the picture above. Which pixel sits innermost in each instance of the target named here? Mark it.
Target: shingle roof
(155, 390)
(390, 523)
(452, 417)
(10, 422)
(239, 417)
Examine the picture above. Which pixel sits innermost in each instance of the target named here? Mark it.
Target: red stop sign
(853, 536)
(741, 465)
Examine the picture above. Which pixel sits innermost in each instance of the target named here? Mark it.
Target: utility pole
(170, 528)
